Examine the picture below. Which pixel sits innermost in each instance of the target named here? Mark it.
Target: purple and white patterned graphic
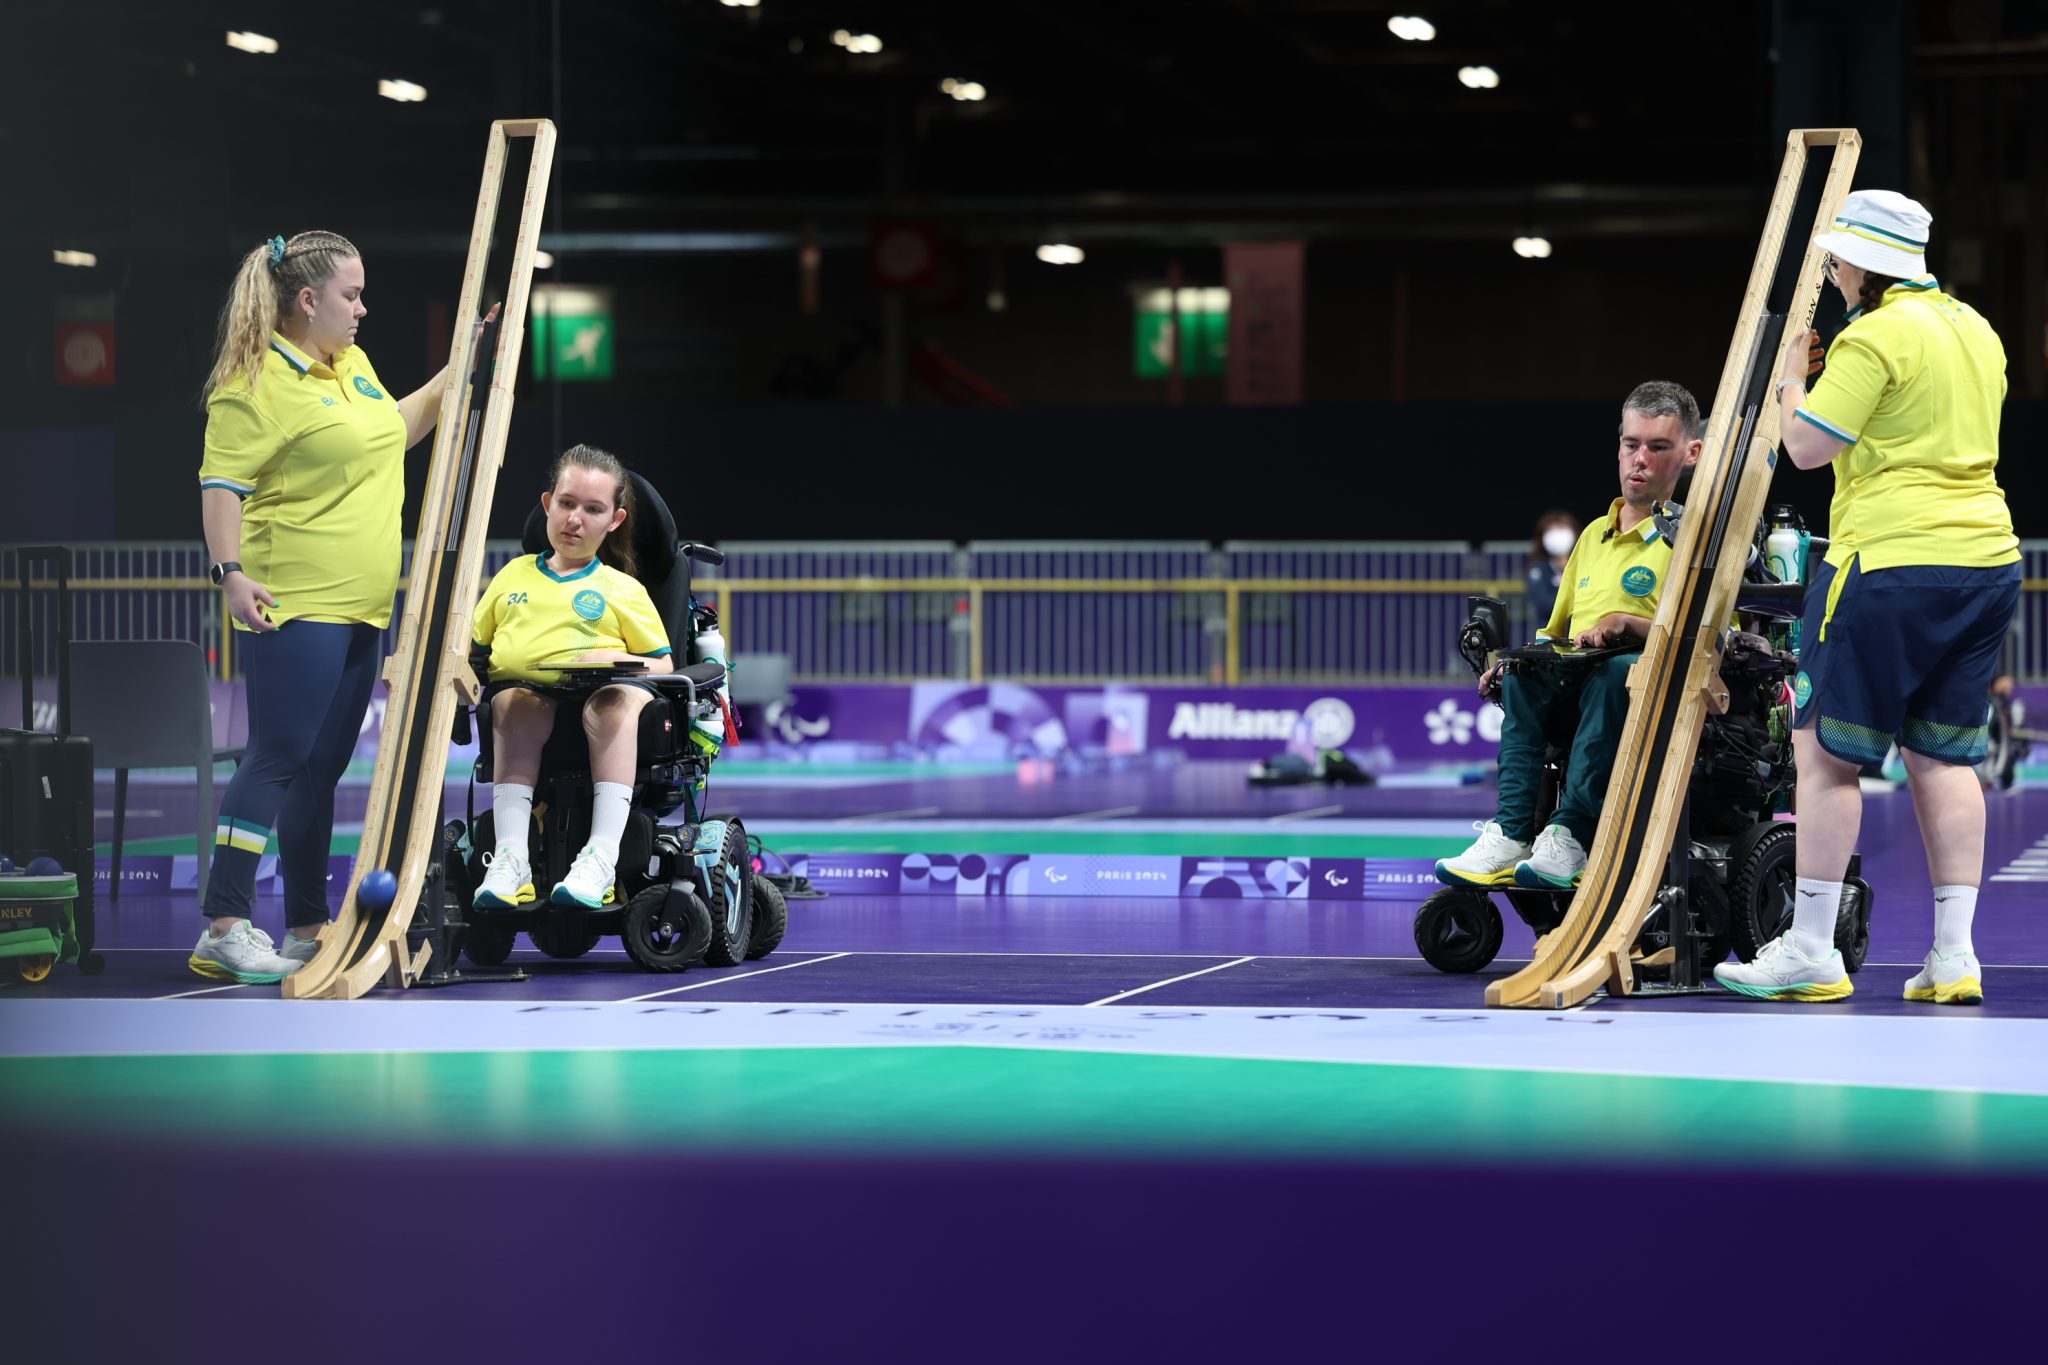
(177, 874)
(1087, 875)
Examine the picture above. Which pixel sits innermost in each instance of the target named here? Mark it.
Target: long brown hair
(617, 549)
(262, 295)
(1872, 292)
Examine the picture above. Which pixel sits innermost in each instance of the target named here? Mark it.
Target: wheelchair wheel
(1852, 926)
(666, 927)
(487, 944)
(562, 936)
(732, 901)
(1763, 877)
(1458, 929)
(771, 919)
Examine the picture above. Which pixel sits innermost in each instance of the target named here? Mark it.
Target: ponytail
(265, 284)
(617, 549)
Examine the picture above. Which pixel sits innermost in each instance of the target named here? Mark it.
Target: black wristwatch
(221, 571)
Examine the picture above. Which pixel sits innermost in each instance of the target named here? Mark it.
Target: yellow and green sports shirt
(1914, 385)
(534, 621)
(316, 452)
(1609, 571)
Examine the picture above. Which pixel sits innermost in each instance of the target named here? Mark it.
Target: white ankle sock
(1954, 908)
(1813, 917)
(609, 804)
(511, 813)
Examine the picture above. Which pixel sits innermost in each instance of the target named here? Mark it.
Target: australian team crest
(588, 604)
(1639, 581)
(367, 389)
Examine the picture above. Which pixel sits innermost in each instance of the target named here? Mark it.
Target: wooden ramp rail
(428, 673)
(1676, 683)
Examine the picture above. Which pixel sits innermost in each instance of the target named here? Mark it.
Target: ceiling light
(964, 90)
(1410, 29)
(251, 42)
(1478, 77)
(1532, 248)
(405, 92)
(1059, 253)
(85, 258)
(543, 260)
(861, 44)
(739, 4)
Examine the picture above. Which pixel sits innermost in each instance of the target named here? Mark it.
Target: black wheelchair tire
(1458, 930)
(562, 936)
(1763, 876)
(732, 920)
(660, 941)
(1852, 926)
(487, 944)
(771, 919)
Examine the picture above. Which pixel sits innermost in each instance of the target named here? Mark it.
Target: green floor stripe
(975, 1100)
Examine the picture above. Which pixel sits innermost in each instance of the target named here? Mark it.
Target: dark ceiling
(1155, 120)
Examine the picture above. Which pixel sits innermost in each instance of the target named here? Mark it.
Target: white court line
(1312, 813)
(1124, 995)
(887, 815)
(203, 990)
(1109, 814)
(721, 980)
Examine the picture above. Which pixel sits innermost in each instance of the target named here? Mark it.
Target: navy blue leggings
(309, 684)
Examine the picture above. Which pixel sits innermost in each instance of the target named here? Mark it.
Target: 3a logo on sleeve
(588, 604)
(1640, 581)
(366, 388)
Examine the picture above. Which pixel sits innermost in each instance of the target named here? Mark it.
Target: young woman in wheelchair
(577, 607)
(1607, 598)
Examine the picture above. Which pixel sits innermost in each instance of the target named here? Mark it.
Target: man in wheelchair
(592, 734)
(1605, 604)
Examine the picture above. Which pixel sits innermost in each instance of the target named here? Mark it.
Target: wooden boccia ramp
(428, 674)
(1676, 683)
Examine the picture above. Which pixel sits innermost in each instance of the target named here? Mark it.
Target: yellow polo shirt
(317, 455)
(1914, 385)
(1606, 573)
(533, 621)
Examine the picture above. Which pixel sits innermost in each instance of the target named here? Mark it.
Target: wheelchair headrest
(654, 532)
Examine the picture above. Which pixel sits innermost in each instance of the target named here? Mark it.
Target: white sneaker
(1489, 862)
(590, 881)
(1953, 980)
(298, 949)
(1555, 864)
(1782, 972)
(509, 881)
(244, 953)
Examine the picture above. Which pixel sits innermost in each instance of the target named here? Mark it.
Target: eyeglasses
(1828, 264)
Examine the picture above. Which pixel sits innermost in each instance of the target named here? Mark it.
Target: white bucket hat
(1881, 231)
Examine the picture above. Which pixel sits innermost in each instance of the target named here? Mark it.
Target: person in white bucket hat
(1905, 621)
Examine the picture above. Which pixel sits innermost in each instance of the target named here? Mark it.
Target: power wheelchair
(1740, 864)
(686, 892)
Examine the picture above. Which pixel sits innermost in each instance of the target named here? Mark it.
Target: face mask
(1558, 542)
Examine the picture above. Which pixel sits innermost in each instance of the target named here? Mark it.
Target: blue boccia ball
(377, 891)
(44, 867)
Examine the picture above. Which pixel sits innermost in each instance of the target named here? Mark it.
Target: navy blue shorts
(1909, 656)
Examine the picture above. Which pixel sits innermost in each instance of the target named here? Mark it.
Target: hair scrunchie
(276, 245)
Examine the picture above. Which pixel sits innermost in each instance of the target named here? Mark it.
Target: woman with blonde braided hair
(300, 492)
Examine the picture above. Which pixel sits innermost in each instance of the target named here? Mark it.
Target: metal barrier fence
(1181, 611)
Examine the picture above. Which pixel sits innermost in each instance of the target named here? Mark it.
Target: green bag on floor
(36, 916)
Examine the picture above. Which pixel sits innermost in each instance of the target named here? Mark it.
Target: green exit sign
(572, 333)
(1204, 332)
